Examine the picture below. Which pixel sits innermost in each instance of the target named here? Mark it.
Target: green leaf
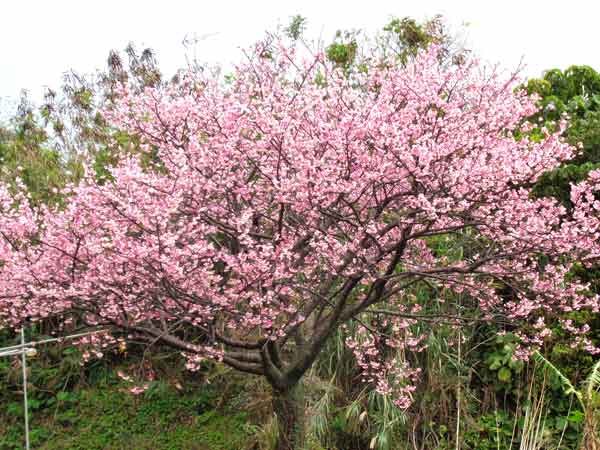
(516, 365)
(561, 422)
(494, 362)
(575, 417)
(505, 375)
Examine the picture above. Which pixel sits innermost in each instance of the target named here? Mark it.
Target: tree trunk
(589, 442)
(289, 408)
(590, 439)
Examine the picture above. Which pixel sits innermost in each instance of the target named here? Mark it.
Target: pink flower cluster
(382, 361)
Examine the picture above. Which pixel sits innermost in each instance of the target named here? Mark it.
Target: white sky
(41, 39)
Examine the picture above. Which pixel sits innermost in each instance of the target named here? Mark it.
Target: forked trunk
(289, 408)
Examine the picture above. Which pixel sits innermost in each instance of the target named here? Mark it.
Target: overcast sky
(41, 39)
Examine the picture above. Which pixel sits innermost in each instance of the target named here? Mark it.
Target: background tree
(27, 157)
(576, 94)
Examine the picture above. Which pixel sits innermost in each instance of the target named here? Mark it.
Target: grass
(109, 417)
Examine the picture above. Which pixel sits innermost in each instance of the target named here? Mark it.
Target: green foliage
(27, 155)
(574, 93)
(410, 36)
(106, 416)
(491, 432)
(557, 183)
(500, 360)
(343, 50)
(296, 27)
(399, 41)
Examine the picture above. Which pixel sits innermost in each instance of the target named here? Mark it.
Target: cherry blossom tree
(296, 198)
